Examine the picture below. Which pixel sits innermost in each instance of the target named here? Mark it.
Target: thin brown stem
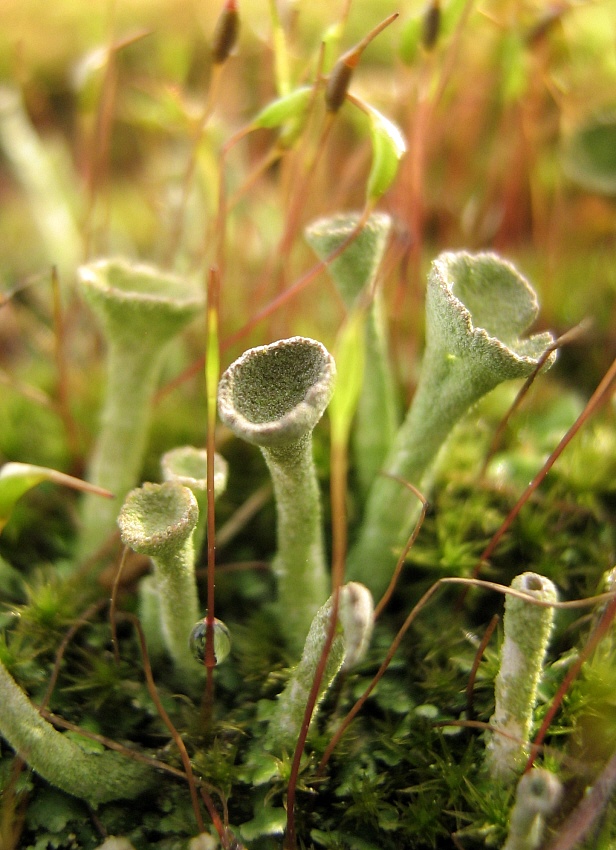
(177, 230)
(212, 374)
(262, 314)
(569, 336)
(113, 607)
(581, 820)
(290, 837)
(600, 395)
(401, 560)
(604, 625)
(470, 687)
(175, 735)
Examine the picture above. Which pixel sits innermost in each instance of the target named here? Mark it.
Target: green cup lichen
(159, 520)
(140, 310)
(478, 307)
(355, 272)
(273, 396)
(527, 629)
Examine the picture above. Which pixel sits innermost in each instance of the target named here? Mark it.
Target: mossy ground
(399, 777)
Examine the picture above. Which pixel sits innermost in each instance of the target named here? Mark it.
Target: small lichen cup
(273, 396)
(478, 308)
(159, 520)
(188, 466)
(140, 310)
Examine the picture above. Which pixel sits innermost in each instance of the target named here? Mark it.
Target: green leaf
(17, 478)
(283, 109)
(388, 148)
(53, 811)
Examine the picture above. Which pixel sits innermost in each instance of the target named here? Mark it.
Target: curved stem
(96, 777)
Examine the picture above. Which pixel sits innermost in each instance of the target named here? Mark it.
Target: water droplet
(222, 640)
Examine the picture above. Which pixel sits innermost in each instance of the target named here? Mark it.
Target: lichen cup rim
(156, 517)
(479, 321)
(188, 466)
(287, 422)
(149, 285)
(344, 223)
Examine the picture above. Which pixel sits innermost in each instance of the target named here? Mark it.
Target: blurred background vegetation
(510, 120)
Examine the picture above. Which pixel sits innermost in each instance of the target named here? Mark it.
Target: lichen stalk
(351, 639)
(477, 309)
(115, 464)
(158, 520)
(95, 777)
(537, 795)
(273, 396)
(527, 629)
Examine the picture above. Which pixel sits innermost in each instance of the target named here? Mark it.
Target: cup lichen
(159, 520)
(355, 274)
(478, 308)
(273, 396)
(527, 629)
(140, 310)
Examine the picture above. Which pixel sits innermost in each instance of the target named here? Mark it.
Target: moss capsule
(226, 33)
